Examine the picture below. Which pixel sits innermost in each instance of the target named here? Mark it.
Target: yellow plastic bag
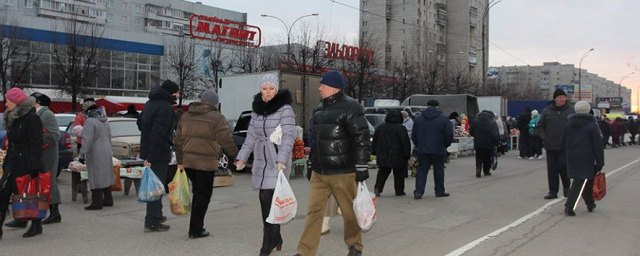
(179, 196)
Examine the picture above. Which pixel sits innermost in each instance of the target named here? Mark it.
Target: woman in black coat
(392, 148)
(582, 144)
(24, 153)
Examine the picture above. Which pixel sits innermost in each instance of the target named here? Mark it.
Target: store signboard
(572, 93)
(337, 51)
(224, 31)
(609, 102)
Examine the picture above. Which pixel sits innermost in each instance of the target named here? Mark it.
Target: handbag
(28, 185)
(28, 206)
(599, 186)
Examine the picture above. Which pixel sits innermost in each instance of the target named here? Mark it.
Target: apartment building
(136, 34)
(448, 31)
(551, 75)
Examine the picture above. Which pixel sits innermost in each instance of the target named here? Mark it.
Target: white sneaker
(540, 157)
(530, 158)
(519, 157)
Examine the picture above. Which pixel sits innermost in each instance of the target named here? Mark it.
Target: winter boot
(478, 174)
(276, 242)
(267, 237)
(35, 229)
(108, 197)
(54, 216)
(97, 200)
(16, 224)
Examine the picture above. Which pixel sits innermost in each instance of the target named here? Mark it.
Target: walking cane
(580, 195)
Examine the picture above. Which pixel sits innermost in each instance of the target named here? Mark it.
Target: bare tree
(218, 61)
(78, 61)
(182, 60)
(460, 80)
(404, 79)
(306, 55)
(430, 74)
(361, 73)
(246, 60)
(17, 60)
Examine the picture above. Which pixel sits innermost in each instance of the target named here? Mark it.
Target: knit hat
(210, 96)
(88, 104)
(42, 99)
(170, 86)
(333, 78)
(270, 79)
(582, 107)
(16, 95)
(433, 103)
(559, 92)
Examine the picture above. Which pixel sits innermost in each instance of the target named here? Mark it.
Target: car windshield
(63, 121)
(122, 128)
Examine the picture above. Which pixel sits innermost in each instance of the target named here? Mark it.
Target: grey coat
(50, 153)
(96, 146)
(263, 123)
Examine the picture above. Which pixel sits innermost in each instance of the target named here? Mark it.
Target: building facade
(446, 31)
(546, 78)
(134, 36)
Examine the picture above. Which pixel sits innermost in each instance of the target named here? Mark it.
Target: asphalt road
(503, 214)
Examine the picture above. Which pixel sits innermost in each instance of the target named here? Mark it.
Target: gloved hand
(362, 172)
(281, 166)
(81, 160)
(598, 169)
(239, 165)
(309, 170)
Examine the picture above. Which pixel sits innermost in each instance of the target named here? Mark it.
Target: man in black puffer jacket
(340, 150)
(156, 127)
(392, 147)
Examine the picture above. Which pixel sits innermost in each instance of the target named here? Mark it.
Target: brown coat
(202, 135)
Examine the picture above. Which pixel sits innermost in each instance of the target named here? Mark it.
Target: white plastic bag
(276, 136)
(284, 205)
(364, 206)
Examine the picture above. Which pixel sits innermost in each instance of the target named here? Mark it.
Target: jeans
(202, 183)
(424, 164)
(154, 209)
(343, 188)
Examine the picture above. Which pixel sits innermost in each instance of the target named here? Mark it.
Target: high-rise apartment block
(449, 31)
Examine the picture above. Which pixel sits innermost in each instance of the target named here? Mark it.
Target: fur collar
(21, 110)
(283, 97)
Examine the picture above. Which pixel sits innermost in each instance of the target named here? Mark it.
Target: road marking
(516, 223)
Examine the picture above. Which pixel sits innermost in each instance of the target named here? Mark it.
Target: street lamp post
(288, 28)
(580, 74)
(638, 100)
(484, 45)
(620, 84)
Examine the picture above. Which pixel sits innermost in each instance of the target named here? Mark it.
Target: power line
(420, 26)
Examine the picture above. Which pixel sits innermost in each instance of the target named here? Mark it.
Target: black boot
(35, 229)
(16, 224)
(108, 197)
(478, 174)
(276, 239)
(54, 216)
(267, 237)
(97, 200)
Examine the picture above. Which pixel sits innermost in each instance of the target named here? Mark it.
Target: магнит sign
(225, 31)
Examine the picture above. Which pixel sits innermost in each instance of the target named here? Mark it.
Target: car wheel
(224, 163)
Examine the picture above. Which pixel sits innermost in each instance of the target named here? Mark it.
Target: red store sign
(225, 31)
(343, 52)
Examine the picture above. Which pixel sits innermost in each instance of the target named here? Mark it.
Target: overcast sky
(534, 31)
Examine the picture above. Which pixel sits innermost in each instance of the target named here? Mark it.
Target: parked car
(125, 137)
(64, 120)
(375, 119)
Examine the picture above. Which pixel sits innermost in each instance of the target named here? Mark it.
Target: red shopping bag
(599, 186)
(45, 184)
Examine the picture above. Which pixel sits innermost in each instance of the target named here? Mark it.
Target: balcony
(473, 22)
(473, 60)
(441, 18)
(441, 4)
(388, 11)
(71, 16)
(155, 16)
(162, 30)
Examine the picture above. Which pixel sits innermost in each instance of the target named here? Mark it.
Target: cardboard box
(223, 181)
